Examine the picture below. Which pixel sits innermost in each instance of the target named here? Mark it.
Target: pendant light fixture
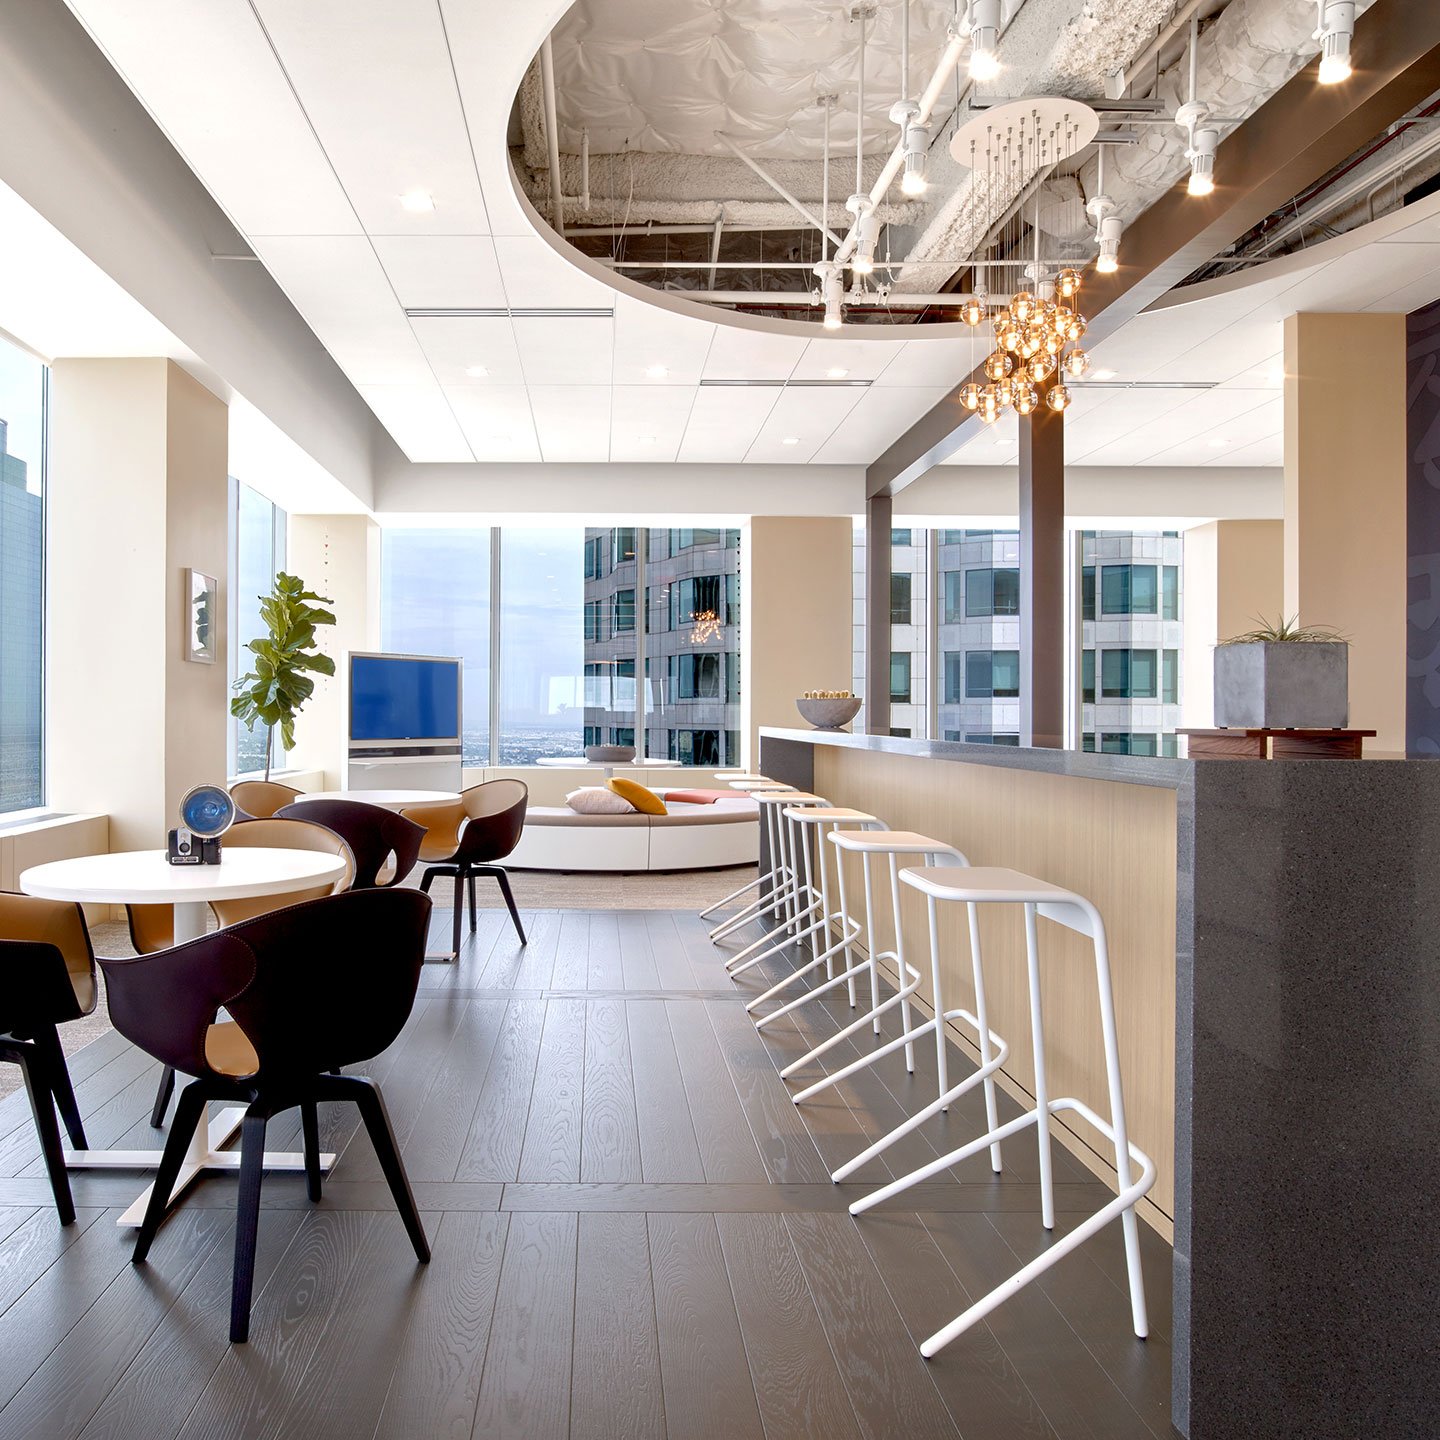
(1335, 32)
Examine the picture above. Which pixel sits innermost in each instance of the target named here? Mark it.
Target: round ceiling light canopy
(1024, 134)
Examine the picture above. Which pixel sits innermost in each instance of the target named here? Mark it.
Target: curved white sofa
(689, 837)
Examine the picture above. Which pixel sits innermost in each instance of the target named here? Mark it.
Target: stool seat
(985, 884)
(786, 797)
(759, 782)
(739, 775)
(893, 842)
(827, 815)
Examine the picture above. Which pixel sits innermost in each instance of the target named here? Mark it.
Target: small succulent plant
(1287, 632)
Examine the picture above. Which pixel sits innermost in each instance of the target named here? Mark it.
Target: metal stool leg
(1042, 1088)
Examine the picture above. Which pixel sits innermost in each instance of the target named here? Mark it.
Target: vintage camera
(206, 813)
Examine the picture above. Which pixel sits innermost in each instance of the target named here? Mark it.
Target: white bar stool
(993, 1049)
(769, 879)
(789, 897)
(806, 821)
(984, 886)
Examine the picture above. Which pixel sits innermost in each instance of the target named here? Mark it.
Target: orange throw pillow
(647, 802)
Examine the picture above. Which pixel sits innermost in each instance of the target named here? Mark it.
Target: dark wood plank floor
(634, 1235)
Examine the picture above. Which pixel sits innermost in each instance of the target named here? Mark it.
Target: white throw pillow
(597, 800)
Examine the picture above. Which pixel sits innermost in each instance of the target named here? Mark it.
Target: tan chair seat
(228, 1052)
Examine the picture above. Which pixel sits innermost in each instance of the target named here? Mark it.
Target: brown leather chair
(47, 976)
(260, 799)
(152, 927)
(468, 837)
(309, 988)
(385, 845)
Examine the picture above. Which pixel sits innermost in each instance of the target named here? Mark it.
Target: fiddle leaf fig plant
(279, 685)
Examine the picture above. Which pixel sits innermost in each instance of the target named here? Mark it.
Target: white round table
(385, 799)
(579, 762)
(143, 877)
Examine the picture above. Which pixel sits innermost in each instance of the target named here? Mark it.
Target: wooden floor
(634, 1235)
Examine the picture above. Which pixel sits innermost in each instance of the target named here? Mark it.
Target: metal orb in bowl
(829, 714)
(610, 754)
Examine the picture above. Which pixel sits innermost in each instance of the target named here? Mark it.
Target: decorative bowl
(829, 714)
(610, 754)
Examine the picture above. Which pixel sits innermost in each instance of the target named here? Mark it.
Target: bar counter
(1274, 933)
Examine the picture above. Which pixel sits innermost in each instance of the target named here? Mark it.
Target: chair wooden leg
(247, 1223)
(504, 881)
(366, 1095)
(163, 1091)
(310, 1127)
(472, 903)
(425, 880)
(459, 912)
(188, 1111)
(34, 1067)
(47, 1041)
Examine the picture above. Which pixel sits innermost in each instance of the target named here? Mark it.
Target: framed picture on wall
(201, 615)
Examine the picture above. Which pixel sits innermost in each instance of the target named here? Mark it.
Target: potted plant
(274, 691)
(1283, 676)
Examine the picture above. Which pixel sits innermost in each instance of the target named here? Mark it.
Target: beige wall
(136, 492)
(1345, 454)
(795, 614)
(337, 556)
(1234, 574)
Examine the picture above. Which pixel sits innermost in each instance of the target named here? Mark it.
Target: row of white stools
(797, 906)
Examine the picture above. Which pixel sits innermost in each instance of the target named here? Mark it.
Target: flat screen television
(399, 700)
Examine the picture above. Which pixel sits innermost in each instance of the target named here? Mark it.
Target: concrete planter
(1282, 686)
(829, 714)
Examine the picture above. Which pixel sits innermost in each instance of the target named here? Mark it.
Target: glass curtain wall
(582, 616)
(24, 390)
(435, 600)
(257, 553)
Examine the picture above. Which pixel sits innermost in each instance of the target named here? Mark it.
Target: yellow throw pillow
(647, 802)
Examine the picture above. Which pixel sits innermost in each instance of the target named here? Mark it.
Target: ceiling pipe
(775, 185)
(800, 300)
(715, 250)
(611, 263)
(552, 135)
(1179, 24)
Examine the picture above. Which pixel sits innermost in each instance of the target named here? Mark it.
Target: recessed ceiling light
(656, 372)
(417, 201)
(477, 372)
(1103, 375)
(836, 372)
(791, 440)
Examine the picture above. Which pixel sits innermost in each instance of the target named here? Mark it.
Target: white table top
(579, 762)
(386, 799)
(142, 877)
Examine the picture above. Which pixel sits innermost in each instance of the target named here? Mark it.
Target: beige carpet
(534, 890)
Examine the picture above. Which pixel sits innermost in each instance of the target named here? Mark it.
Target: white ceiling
(308, 121)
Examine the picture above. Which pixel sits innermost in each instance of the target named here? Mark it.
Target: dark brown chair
(152, 927)
(309, 988)
(47, 976)
(468, 837)
(260, 799)
(385, 845)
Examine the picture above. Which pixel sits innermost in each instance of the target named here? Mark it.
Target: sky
(21, 381)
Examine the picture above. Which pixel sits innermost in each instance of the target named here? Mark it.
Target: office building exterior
(21, 633)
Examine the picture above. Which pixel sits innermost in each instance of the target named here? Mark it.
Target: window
(24, 383)
(594, 559)
(900, 676)
(622, 735)
(954, 690)
(257, 555)
(951, 537)
(622, 547)
(623, 616)
(593, 621)
(435, 600)
(992, 674)
(1087, 593)
(899, 732)
(1170, 593)
(900, 537)
(696, 747)
(952, 609)
(697, 676)
(689, 539)
(1000, 738)
(699, 596)
(1087, 677)
(1128, 590)
(992, 592)
(1167, 746)
(1128, 675)
(899, 598)
(1123, 742)
(1170, 677)
(952, 735)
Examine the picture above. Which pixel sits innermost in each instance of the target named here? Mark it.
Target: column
(1345, 476)
(1422, 647)
(795, 616)
(1234, 574)
(1042, 577)
(136, 494)
(337, 556)
(879, 516)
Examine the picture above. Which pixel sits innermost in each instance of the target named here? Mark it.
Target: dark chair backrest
(313, 987)
(374, 836)
(495, 814)
(47, 973)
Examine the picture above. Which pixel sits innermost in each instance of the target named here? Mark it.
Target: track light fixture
(1335, 32)
(1109, 227)
(1200, 151)
(867, 231)
(917, 146)
(983, 22)
(831, 293)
